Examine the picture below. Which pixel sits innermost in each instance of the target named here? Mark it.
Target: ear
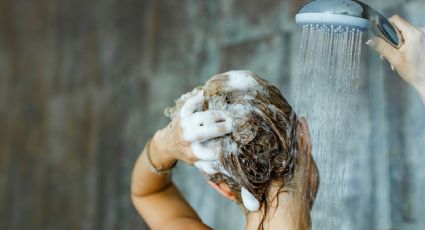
(223, 189)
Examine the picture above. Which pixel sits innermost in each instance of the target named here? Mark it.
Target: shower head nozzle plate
(333, 19)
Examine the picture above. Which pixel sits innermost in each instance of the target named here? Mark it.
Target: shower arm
(381, 26)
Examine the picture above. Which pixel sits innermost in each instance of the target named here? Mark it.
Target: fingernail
(392, 68)
(382, 57)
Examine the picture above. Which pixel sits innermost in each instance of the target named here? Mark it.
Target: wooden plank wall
(83, 85)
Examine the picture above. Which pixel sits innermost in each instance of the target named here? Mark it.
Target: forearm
(287, 211)
(145, 186)
(297, 214)
(144, 180)
(421, 91)
(154, 195)
(423, 96)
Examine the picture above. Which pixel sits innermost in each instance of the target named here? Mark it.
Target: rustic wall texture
(83, 85)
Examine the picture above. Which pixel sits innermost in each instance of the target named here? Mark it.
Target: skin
(155, 196)
(409, 59)
(162, 206)
(291, 210)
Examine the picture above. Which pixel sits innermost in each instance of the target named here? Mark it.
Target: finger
(304, 135)
(208, 117)
(192, 104)
(304, 153)
(314, 182)
(304, 125)
(402, 25)
(202, 126)
(203, 152)
(204, 133)
(389, 52)
(307, 137)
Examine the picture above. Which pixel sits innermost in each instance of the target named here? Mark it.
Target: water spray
(324, 91)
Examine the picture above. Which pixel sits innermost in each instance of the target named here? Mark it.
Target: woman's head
(263, 146)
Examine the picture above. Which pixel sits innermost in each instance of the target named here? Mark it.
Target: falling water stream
(327, 78)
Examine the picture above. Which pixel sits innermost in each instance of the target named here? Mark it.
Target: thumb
(389, 52)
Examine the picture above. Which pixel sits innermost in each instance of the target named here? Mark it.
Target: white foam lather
(249, 200)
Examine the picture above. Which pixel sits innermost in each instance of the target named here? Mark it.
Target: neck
(287, 211)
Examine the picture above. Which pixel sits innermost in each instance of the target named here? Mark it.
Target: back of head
(262, 147)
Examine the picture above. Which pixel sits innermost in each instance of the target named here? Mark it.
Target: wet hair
(265, 135)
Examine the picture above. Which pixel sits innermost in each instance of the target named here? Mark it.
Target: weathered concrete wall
(83, 85)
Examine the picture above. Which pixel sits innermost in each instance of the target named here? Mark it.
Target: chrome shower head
(349, 13)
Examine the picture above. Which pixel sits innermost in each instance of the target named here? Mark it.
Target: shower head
(348, 13)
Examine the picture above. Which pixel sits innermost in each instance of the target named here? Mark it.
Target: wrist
(292, 196)
(161, 157)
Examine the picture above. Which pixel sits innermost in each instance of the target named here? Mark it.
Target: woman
(160, 203)
(245, 138)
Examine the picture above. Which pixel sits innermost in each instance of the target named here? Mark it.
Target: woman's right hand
(175, 142)
(409, 59)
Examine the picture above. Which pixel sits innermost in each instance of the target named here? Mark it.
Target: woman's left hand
(174, 142)
(409, 59)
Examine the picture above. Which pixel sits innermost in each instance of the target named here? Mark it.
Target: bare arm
(155, 196)
(305, 185)
(296, 199)
(298, 202)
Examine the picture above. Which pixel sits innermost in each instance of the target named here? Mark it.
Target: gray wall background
(83, 85)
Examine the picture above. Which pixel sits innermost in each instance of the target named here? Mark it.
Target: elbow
(134, 199)
(135, 194)
(137, 200)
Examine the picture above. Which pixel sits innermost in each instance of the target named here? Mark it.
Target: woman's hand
(302, 189)
(153, 194)
(181, 139)
(306, 175)
(168, 146)
(409, 59)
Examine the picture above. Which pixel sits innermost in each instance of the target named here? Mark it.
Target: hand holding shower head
(349, 13)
